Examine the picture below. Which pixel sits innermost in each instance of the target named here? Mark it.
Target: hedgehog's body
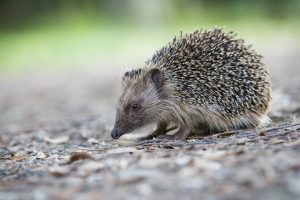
(202, 81)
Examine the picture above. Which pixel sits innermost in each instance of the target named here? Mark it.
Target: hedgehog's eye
(135, 106)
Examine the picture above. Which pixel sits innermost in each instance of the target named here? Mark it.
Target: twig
(282, 127)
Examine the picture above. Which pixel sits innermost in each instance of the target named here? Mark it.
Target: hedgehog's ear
(156, 77)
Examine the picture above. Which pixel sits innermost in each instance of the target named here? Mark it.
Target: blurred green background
(67, 34)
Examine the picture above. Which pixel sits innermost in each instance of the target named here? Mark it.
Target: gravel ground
(55, 144)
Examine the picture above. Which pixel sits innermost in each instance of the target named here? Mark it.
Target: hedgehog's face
(139, 97)
(128, 118)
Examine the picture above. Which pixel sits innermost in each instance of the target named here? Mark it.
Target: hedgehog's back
(216, 71)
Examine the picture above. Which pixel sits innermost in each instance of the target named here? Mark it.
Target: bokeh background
(68, 34)
(64, 59)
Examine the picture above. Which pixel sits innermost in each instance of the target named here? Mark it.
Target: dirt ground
(55, 144)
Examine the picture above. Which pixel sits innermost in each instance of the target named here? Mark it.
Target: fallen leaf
(19, 158)
(79, 156)
(263, 133)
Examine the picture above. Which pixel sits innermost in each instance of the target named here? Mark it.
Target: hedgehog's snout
(115, 133)
(118, 131)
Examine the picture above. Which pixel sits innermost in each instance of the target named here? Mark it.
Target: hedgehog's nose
(115, 133)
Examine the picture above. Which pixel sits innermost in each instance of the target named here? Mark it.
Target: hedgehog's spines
(204, 63)
(210, 77)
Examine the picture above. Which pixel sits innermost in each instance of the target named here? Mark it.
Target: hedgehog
(207, 81)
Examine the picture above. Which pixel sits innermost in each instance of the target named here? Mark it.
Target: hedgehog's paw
(181, 134)
(160, 129)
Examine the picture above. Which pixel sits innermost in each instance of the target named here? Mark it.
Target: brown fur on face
(141, 93)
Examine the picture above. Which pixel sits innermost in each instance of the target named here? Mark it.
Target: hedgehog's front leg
(181, 134)
(161, 129)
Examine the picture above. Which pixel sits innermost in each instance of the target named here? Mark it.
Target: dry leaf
(79, 156)
(19, 158)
